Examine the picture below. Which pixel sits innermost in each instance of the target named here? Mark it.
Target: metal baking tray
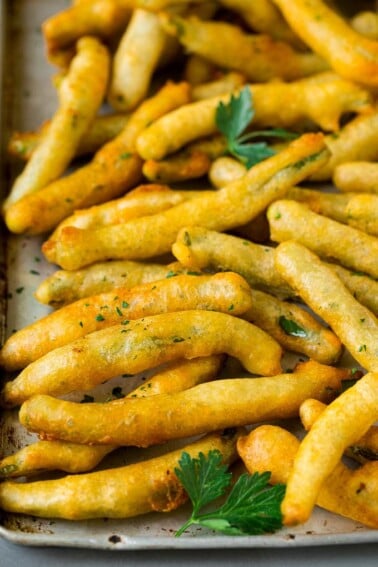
(27, 99)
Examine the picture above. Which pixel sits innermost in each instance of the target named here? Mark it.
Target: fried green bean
(353, 248)
(236, 204)
(219, 292)
(204, 408)
(135, 346)
(148, 486)
(324, 292)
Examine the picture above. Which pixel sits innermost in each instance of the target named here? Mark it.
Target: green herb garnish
(252, 507)
(291, 327)
(233, 118)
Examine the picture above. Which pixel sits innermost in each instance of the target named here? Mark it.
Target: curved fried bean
(135, 346)
(356, 141)
(362, 287)
(322, 99)
(102, 130)
(353, 248)
(139, 202)
(323, 291)
(365, 449)
(73, 457)
(264, 17)
(207, 407)
(102, 18)
(53, 455)
(350, 493)
(114, 169)
(341, 424)
(64, 287)
(136, 59)
(220, 292)
(355, 209)
(80, 96)
(351, 55)
(148, 486)
(196, 247)
(236, 204)
(293, 328)
(258, 56)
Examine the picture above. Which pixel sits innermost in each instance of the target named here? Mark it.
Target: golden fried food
(186, 165)
(324, 292)
(236, 204)
(64, 287)
(356, 141)
(351, 55)
(264, 17)
(42, 456)
(356, 209)
(366, 23)
(80, 96)
(225, 169)
(148, 486)
(350, 493)
(322, 99)
(206, 407)
(341, 424)
(102, 130)
(353, 248)
(356, 176)
(139, 202)
(114, 169)
(258, 56)
(362, 287)
(228, 293)
(364, 450)
(102, 18)
(293, 327)
(199, 248)
(138, 345)
(136, 59)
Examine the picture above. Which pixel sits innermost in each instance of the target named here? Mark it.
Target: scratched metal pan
(27, 99)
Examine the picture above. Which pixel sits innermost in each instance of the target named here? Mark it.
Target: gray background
(334, 556)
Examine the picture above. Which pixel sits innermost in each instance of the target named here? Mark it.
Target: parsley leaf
(291, 327)
(252, 507)
(233, 118)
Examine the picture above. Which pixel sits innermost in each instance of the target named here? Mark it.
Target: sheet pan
(27, 99)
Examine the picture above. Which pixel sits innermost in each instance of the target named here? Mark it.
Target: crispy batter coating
(364, 450)
(324, 292)
(135, 346)
(353, 248)
(220, 292)
(114, 169)
(73, 457)
(80, 96)
(350, 493)
(236, 204)
(148, 486)
(357, 176)
(341, 424)
(352, 55)
(206, 407)
(321, 99)
(102, 130)
(258, 56)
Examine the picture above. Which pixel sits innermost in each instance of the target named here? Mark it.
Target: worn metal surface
(28, 99)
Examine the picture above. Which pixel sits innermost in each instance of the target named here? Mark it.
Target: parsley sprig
(233, 118)
(252, 506)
